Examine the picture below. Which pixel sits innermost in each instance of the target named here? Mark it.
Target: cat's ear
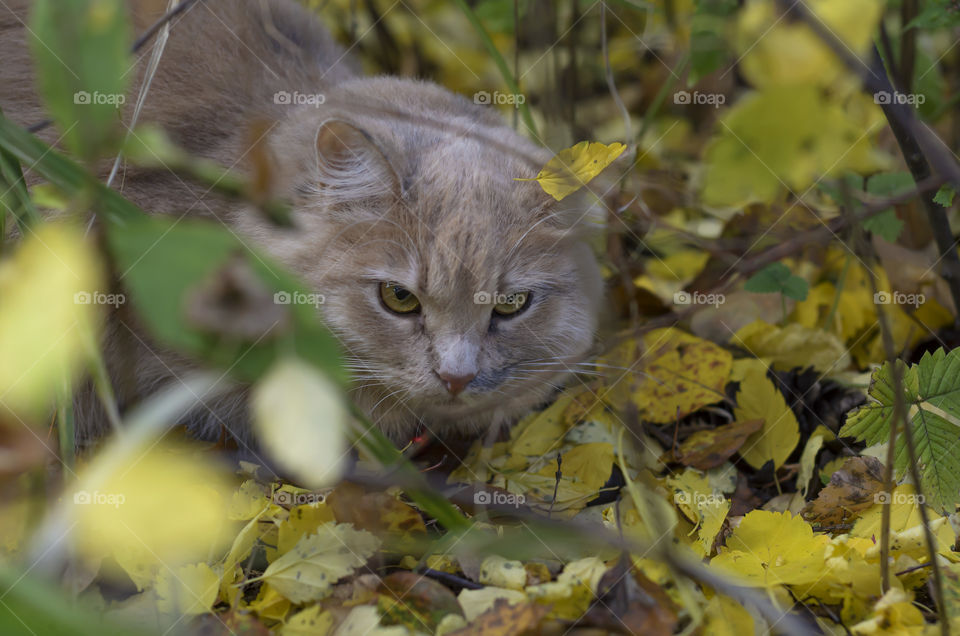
(353, 165)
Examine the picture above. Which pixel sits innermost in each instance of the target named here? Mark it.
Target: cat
(462, 297)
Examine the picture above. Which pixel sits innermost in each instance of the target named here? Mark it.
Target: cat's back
(223, 64)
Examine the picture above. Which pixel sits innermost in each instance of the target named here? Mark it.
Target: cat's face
(461, 296)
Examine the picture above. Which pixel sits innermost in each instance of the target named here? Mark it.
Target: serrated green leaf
(932, 395)
(944, 195)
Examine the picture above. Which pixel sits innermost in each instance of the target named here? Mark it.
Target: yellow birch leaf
(758, 398)
(317, 561)
(313, 621)
(50, 289)
(187, 590)
(574, 167)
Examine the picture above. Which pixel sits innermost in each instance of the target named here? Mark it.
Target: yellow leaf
(589, 464)
(677, 374)
(270, 604)
(894, 613)
(301, 419)
(574, 167)
(781, 51)
(726, 617)
(759, 399)
(793, 346)
(247, 502)
(476, 602)
(310, 569)
(313, 621)
(303, 520)
(187, 590)
(131, 513)
(773, 548)
(364, 620)
(783, 137)
(50, 289)
(500, 572)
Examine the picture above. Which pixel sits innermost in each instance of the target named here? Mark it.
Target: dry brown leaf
(708, 449)
(851, 490)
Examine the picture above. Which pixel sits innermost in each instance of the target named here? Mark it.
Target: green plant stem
(500, 62)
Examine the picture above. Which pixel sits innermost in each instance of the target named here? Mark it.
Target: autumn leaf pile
(777, 310)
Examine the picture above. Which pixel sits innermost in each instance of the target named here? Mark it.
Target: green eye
(511, 304)
(398, 299)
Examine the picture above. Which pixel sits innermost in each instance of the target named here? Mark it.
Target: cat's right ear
(353, 166)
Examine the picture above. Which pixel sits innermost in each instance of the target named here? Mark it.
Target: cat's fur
(391, 180)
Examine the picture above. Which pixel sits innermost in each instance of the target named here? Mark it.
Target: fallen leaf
(574, 167)
(851, 490)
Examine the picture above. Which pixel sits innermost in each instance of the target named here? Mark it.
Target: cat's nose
(456, 383)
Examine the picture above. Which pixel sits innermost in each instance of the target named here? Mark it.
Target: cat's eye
(398, 299)
(511, 304)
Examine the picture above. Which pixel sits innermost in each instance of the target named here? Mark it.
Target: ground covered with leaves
(766, 440)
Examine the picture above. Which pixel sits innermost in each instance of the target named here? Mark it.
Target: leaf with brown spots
(378, 512)
(851, 490)
(708, 449)
(680, 374)
(504, 619)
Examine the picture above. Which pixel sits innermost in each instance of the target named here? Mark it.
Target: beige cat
(462, 297)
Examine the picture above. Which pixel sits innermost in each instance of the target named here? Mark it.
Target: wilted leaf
(851, 490)
(711, 448)
(505, 619)
(313, 621)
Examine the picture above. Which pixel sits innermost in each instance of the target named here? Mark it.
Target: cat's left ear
(353, 165)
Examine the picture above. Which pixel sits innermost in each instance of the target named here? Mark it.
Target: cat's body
(392, 181)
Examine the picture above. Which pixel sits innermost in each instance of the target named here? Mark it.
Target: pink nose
(456, 383)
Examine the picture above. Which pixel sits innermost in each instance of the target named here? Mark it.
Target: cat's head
(462, 296)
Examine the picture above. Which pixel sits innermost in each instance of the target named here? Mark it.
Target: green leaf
(932, 396)
(708, 41)
(777, 279)
(82, 53)
(936, 14)
(199, 289)
(944, 195)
